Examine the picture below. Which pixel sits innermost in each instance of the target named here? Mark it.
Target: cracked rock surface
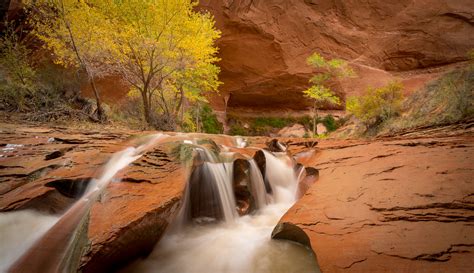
(47, 169)
(404, 205)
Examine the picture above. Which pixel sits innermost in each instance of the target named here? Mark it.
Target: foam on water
(19, 230)
(242, 244)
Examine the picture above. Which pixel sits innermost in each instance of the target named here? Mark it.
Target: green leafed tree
(320, 90)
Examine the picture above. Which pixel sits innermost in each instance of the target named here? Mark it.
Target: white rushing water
(119, 161)
(18, 232)
(222, 173)
(242, 245)
(282, 178)
(257, 185)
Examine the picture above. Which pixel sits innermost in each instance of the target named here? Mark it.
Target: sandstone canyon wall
(265, 44)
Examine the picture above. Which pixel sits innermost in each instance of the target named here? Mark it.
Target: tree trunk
(101, 116)
(315, 115)
(197, 118)
(100, 112)
(146, 108)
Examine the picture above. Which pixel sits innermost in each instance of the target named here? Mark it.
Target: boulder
(295, 130)
(241, 184)
(321, 129)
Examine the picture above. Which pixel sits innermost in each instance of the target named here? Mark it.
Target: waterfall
(222, 174)
(18, 232)
(281, 177)
(245, 244)
(258, 185)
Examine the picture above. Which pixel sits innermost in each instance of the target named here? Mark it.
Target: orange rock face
(265, 44)
(44, 168)
(401, 205)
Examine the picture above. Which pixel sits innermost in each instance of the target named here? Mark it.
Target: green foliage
(270, 122)
(18, 76)
(332, 69)
(330, 123)
(183, 152)
(237, 130)
(210, 124)
(263, 126)
(321, 91)
(187, 123)
(378, 105)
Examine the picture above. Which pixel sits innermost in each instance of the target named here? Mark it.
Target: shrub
(210, 124)
(17, 75)
(378, 105)
(270, 122)
(330, 123)
(446, 100)
(237, 130)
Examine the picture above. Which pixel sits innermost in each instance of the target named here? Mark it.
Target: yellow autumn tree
(166, 50)
(76, 33)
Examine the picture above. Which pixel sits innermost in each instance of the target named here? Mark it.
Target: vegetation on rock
(270, 126)
(447, 100)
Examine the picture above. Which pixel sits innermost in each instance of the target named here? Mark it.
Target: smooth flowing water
(242, 244)
(224, 242)
(258, 185)
(18, 232)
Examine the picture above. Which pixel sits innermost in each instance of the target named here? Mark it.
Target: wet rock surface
(398, 203)
(390, 205)
(130, 216)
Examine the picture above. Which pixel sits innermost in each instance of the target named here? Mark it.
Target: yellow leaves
(378, 104)
(320, 93)
(162, 47)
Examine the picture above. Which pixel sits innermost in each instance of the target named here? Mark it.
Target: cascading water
(221, 174)
(211, 237)
(281, 176)
(258, 185)
(235, 244)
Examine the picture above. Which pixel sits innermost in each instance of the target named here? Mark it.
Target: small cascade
(223, 175)
(258, 185)
(282, 178)
(218, 240)
(206, 155)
